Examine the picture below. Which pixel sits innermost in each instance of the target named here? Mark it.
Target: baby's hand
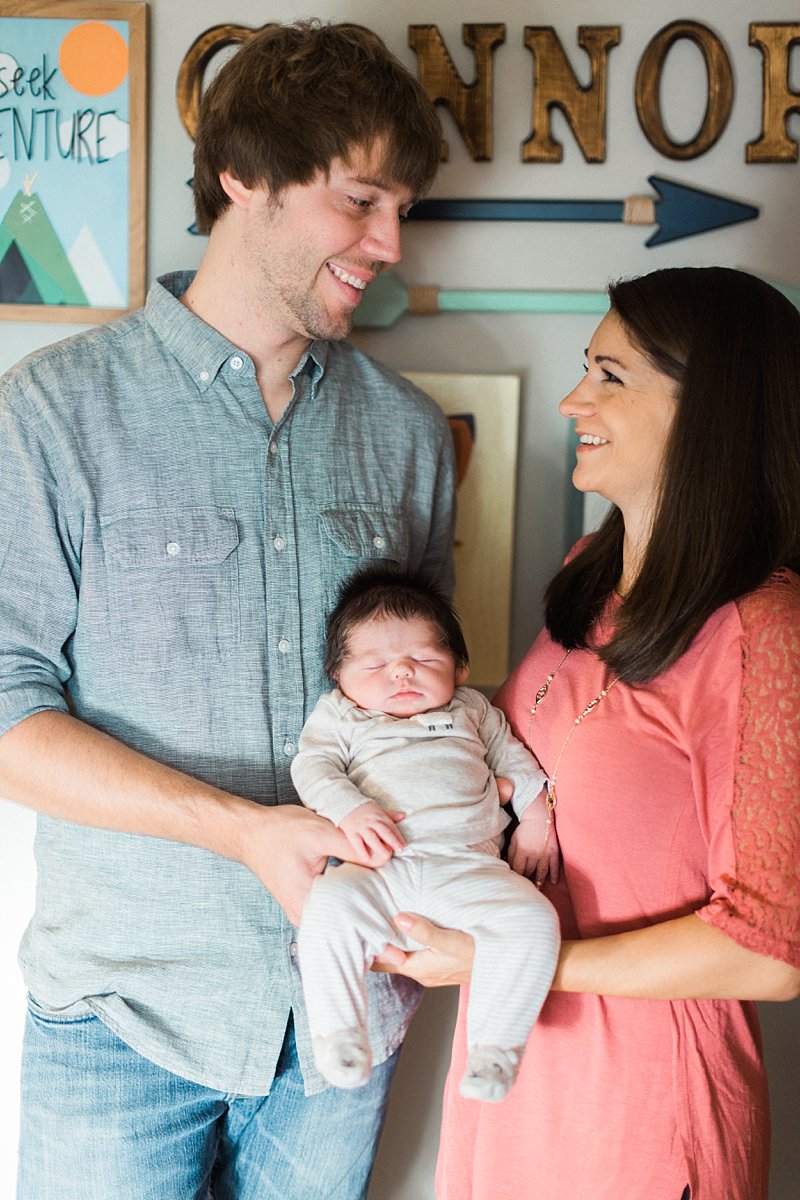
(373, 834)
(533, 851)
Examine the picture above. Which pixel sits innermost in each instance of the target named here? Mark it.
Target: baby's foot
(344, 1058)
(490, 1073)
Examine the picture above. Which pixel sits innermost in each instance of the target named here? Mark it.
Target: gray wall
(545, 351)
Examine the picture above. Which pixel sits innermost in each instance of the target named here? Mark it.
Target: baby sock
(344, 1058)
(490, 1073)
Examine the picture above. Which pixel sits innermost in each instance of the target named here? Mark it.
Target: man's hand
(286, 847)
(373, 834)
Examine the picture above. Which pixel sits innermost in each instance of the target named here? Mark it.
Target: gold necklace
(551, 797)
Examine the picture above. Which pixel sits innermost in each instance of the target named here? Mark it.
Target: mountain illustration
(93, 272)
(34, 267)
(16, 285)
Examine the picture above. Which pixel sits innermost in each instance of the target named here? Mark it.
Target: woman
(663, 701)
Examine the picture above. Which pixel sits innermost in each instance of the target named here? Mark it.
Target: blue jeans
(100, 1121)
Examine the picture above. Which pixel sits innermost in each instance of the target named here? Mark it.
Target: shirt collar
(200, 349)
(314, 361)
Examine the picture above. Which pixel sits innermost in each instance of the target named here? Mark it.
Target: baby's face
(399, 667)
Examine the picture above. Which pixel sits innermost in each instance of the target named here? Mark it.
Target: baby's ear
(462, 675)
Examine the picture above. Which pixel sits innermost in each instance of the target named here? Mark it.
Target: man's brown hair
(295, 97)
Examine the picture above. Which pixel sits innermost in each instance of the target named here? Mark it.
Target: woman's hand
(446, 959)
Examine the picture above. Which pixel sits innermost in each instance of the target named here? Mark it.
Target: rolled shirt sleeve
(39, 565)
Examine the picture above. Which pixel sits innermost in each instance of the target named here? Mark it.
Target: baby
(403, 759)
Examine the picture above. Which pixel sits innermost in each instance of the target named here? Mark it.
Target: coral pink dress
(679, 797)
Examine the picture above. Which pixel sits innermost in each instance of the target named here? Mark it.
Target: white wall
(546, 351)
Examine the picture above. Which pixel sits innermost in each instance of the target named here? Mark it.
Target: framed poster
(72, 159)
(484, 410)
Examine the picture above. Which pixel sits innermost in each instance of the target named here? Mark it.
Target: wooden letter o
(720, 89)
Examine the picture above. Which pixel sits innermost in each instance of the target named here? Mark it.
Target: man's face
(319, 245)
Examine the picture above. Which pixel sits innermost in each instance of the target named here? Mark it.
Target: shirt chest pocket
(361, 535)
(173, 581)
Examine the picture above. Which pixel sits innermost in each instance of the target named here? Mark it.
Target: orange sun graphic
(93, 58)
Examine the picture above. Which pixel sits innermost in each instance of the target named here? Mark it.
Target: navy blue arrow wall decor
(678, 211)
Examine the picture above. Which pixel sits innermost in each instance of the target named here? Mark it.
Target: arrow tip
(683, 211)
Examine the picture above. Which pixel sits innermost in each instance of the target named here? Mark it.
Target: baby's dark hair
(384, 592)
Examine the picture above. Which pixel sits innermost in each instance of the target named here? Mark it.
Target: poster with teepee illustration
(72, 160)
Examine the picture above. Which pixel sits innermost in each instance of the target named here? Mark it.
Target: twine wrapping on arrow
(639, 210)
(423, 299)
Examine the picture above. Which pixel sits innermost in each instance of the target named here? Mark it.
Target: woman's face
(623, 410)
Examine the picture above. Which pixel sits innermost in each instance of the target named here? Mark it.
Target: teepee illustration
(34, 267)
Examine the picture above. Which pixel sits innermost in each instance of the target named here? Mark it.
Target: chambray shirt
(168, 556)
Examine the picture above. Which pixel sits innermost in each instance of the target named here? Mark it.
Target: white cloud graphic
(115, 134)
(110, 139)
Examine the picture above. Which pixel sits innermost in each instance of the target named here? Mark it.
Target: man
(181, 493)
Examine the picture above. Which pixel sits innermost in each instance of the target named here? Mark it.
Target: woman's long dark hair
(728, 511)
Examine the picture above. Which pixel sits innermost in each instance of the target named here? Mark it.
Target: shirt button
(293, 950)
(288, 749)
(273, 447)
(237, 363)
(279, 543)
(378, 542)
(204, 376)
(173, 548)
(284, 646)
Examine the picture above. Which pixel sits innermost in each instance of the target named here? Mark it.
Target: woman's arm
(690, 957)
(682, 959)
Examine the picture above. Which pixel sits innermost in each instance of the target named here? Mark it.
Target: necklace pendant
(551, 798)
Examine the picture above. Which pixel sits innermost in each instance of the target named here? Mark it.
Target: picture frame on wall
(483, 414)
(73, 158)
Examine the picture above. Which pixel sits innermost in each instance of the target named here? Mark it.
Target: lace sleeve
(759, 906)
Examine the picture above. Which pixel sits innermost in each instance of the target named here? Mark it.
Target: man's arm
(56, 764)
(60, 766)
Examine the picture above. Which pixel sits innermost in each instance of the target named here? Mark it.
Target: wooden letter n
(555, 86)
(470, 104)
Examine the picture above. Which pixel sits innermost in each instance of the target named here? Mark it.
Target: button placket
(282, 584)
